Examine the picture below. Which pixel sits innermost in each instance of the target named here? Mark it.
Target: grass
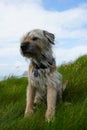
(70, 117)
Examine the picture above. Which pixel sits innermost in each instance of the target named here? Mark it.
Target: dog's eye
(35, 38)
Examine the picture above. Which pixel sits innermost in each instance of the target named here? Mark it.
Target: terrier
(45, 82)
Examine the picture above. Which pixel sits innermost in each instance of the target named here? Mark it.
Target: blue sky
(61, 5)
(67, 19)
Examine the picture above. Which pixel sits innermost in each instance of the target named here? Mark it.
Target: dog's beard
(30, 51)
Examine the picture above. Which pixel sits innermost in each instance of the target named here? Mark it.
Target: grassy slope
(71, 117)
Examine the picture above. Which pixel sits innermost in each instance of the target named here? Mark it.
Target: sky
(67, 19)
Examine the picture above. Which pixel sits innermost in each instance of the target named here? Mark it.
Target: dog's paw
(49, 115)
(28, 113)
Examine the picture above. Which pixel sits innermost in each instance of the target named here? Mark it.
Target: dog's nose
(24, 46)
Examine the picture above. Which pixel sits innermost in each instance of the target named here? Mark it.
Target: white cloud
(16, 18)
(9, 51)
(13, 69)
(19, 67)
(67, 55)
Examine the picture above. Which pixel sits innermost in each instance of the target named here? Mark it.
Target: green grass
(70, 117)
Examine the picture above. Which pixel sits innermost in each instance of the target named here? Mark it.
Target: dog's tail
(65, 85)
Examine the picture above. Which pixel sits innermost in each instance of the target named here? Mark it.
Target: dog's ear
(49, 36)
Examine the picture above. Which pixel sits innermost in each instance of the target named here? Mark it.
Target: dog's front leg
(51, 103)
(30, 100)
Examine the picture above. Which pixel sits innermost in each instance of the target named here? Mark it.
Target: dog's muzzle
(24, 47)
(27, 48)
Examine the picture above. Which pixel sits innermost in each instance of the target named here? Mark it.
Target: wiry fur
(48, 84)
(45, 79)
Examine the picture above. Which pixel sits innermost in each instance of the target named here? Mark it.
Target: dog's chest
(43, 78)
(39, 79)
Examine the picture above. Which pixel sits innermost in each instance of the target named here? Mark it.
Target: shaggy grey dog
(45, 82)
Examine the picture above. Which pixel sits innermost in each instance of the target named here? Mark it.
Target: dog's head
(36, 42)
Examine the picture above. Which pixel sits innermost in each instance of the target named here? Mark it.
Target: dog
(45, 82)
